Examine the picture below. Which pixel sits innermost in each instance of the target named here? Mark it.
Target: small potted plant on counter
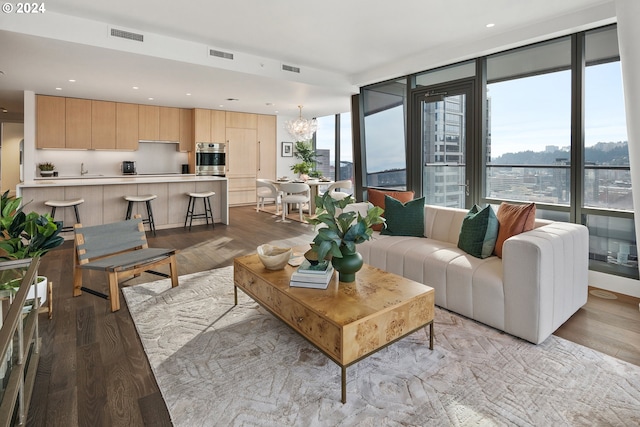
(46, 168)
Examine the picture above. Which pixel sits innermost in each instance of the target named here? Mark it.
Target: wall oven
(210, 159)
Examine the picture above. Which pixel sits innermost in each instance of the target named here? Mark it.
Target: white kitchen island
(104, 197)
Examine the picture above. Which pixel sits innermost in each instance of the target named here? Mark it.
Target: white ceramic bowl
(274, 257)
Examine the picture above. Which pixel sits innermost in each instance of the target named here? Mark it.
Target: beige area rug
(217, 364)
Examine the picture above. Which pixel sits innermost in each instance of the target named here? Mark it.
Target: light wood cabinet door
(103, 125)
(149, 122)
(241, 120)
(186, 131)
(50, 122)
(126, 126)
(77, 123)
(218, 126)
(267, 147)
(241, 165)
(241, 152)
(202, 125)
(169, 124)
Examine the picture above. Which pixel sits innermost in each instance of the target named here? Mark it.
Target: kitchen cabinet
(267, 147)
(126, 126)
(186, 132)
(149, 122)
(242, 165)
(169, 124)
(209, 125)
(218, 126)
(241, 120)
(50, 122)
(202, 125)
(103, 125)
(77, 123)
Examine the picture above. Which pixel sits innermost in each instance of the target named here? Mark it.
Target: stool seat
(206, 201)
(146, 198)
(142, 198)
(53, 204)
(63, 203)
(207, 194)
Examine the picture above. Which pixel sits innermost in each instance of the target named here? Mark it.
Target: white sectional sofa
(537, 285)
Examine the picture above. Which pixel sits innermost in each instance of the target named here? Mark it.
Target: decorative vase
(347, 266)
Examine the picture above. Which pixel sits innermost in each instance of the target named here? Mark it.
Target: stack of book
(315, 276)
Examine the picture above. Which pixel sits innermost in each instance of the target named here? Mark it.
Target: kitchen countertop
(70, 181)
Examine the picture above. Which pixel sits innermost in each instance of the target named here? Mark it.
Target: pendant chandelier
(301, 129)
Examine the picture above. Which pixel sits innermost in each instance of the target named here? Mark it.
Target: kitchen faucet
(83, 171)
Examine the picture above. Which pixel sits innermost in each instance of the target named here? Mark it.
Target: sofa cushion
(513, 219)
(404, 219)
(376, 197)
(479, 232)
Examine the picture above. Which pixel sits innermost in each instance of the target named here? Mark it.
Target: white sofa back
(444, 224)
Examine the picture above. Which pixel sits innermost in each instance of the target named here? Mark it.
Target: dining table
(313, 184)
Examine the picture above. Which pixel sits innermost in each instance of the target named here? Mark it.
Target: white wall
(284, 163)
(11, 135)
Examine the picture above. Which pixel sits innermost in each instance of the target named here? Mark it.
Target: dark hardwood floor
(93, 370)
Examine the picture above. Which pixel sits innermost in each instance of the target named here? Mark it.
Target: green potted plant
(342, 232)
(24, 236)
(307, 155)
(46, 168)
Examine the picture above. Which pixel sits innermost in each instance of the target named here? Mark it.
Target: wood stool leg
(114, 296)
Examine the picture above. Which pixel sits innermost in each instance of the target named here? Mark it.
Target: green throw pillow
(404, 219)
(479, 232)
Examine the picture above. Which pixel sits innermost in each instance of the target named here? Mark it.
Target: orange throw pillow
(513, 219)
(376, 198)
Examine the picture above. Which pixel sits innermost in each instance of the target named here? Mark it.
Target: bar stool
(65, 204)
(147, 198)
(192, 204)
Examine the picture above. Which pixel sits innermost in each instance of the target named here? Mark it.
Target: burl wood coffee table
(347, 321)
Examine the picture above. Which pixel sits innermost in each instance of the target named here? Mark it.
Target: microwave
(210, 159)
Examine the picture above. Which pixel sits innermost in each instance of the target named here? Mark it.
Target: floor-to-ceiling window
(334, 147)
(385, 163)
(548, 127)
(607, 205)
(529, 104)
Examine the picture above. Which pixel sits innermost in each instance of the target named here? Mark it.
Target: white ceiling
(338, 45)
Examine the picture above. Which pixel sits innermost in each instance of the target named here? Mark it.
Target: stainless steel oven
(210, 159)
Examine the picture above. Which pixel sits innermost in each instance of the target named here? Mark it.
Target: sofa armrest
(545, 273)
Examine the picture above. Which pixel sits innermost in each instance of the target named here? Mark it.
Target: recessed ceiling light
(135, 88)
(490, 25)
(58, 88)
(188, 94)
(72, 80)
(221, 105)
(150, 99)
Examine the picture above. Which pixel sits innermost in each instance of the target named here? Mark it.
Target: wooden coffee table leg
(344, 384)
(431, 335)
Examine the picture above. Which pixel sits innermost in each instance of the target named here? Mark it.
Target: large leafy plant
(25, 235)
(307, 155)
(343, 230)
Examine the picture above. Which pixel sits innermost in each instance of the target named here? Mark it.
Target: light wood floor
(93, 370)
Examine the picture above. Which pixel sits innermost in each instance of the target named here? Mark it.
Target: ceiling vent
(290, 68)
(220, 54)
(126, 35)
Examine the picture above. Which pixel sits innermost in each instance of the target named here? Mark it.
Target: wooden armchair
(121, 250)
